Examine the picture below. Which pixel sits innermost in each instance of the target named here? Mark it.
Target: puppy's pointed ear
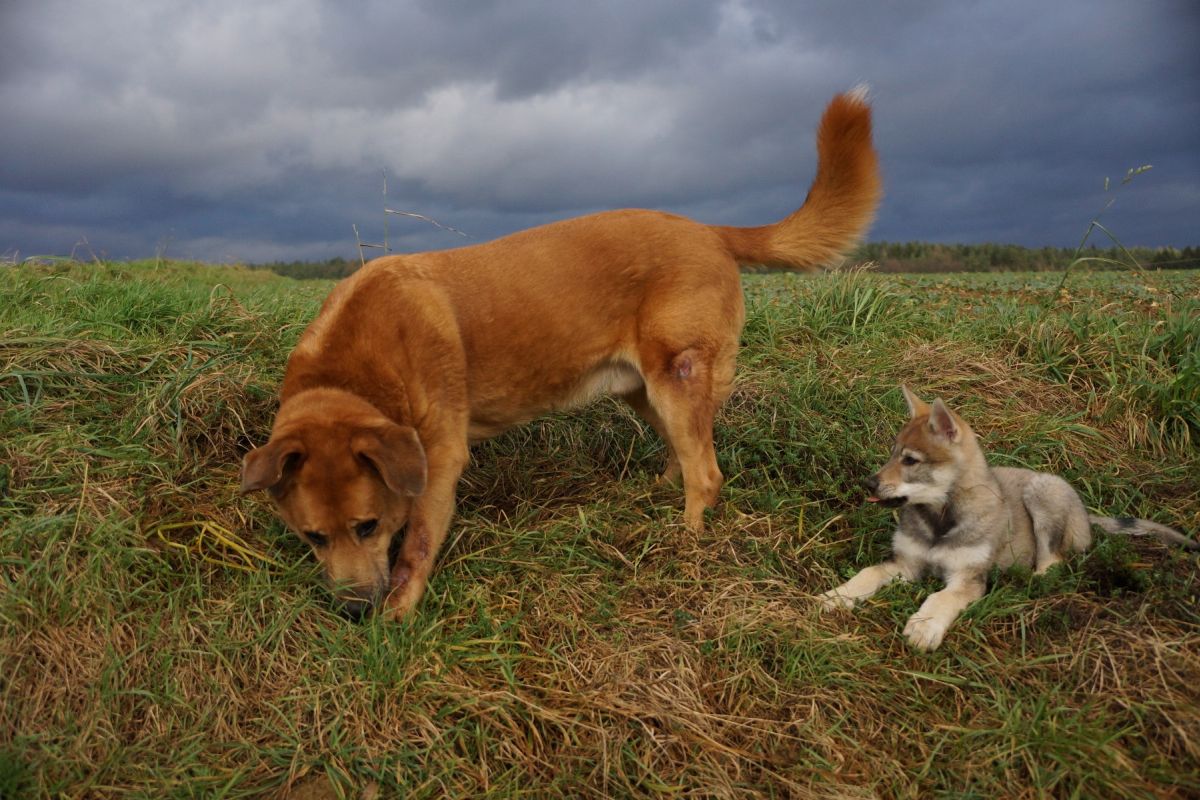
(396, 453)
(916, 406)
(264, 467)
(942, 423)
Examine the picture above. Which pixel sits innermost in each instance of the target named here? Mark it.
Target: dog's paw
(925, 633)
(399, 605)
(407, 588)
(1047, 565)
(832, 601)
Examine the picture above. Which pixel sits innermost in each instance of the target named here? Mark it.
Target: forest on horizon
(902, 257)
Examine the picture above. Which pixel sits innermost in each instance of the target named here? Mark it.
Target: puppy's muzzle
(872, 484)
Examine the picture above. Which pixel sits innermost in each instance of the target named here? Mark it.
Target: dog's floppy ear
(942, 423)
(263, 468)
(916, 406)
(396, 453)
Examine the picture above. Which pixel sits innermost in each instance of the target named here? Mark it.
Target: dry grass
(576, 641)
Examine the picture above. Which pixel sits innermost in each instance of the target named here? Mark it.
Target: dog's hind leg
(1060, 522)
(641, 404)
(688, 331)
(1077, 534)
(685, 386)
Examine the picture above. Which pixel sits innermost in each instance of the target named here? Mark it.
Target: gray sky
(240, 130)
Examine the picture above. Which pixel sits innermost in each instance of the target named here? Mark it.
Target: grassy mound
(162, 636)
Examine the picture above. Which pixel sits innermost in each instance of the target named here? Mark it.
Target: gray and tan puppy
(959, 517)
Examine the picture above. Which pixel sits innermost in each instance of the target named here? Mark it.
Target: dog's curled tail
(841, 202)
(1132, 526)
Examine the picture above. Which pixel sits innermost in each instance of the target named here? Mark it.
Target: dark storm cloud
(248, 131)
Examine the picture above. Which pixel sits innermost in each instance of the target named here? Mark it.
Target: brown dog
(414, 357)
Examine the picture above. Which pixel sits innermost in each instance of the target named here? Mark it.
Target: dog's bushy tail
(1132, 526)
(841, 202)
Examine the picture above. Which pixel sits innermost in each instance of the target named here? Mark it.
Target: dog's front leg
(428, 523)
(868, 582)
(927, 627)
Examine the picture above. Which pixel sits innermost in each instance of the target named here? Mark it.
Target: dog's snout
(872, 482)
(354, 610)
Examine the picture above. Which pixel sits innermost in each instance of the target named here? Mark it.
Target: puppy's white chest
(961, 559)
(944, 557)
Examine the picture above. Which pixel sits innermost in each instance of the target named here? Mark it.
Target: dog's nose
(354, 610)
(872, 482)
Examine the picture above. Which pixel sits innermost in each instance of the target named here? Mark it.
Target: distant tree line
(331, 269)
(932, 257)
(896, 257)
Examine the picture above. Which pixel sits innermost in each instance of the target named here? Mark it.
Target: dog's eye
(366, 528)
(318, 539)
(908, 461)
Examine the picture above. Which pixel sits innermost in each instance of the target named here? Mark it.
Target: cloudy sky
(253, 130)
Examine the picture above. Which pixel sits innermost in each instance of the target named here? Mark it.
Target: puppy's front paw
(832, 601)
(924, 633)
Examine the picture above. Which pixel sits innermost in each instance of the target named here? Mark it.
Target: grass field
(161, 636)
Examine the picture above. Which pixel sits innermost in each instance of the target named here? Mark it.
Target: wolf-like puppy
(960, 517)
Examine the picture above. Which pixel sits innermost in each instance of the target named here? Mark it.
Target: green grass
(576, 641)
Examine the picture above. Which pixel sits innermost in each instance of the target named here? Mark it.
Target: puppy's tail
(841, 202)
(1132, 526)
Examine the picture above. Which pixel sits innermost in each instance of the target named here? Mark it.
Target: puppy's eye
(366, 528)
(908, 461)
(318, 539)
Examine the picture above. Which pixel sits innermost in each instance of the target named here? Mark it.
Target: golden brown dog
(416, 356)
